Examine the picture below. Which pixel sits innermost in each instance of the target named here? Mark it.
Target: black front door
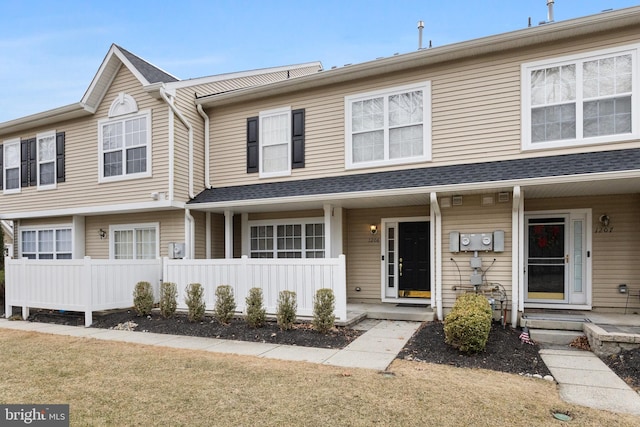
(414, 278)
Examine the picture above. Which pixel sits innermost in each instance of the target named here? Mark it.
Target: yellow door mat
(414, 294)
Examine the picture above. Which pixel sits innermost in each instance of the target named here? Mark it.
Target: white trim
(123, 104)
(425, 87)
(261, 145)
(146, 114)
(97, 210)
(384, 259)
(40, 136)
(133, 227)
(578, 60)
(6, 143)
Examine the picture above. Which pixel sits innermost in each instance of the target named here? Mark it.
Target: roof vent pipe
(550, 10)
(420, 28)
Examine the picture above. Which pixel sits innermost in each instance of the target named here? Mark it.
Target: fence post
(341, 288)
(87, 280)
(8, 308)
(25, 287)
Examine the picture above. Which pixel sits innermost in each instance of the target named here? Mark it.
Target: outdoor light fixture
(102, 234)
(373, 228)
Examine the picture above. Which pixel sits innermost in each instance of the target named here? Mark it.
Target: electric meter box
(476, 242)
(176, 250)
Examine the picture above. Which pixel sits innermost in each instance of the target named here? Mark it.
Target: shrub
(168, 296)
(194, 299)
(324, 304)
(143, 298)
(286, 309)
(468, 324)
(256, 314)
(225, 304)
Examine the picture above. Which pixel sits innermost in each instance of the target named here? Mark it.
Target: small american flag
(524, 336)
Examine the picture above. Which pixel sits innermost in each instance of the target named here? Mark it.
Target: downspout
(515, 256)
(190, 224)
(436, 224)
(207, 148)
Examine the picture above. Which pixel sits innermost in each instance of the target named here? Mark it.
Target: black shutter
(297, 138)
(24, 163)
(253, 150)
(33, 162)
(60, 177)
(1, 168)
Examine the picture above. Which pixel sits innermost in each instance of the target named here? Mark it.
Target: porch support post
(207, 236)
(328, 234)
(516, 255)
(245, 238)
(228, 234)
(332, 231)
(436, 255)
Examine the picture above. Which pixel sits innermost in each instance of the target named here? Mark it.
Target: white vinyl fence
(84, 285)
(303, 276)
(88, 285)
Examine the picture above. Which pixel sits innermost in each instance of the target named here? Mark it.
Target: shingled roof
(497, 171)
(150, 72)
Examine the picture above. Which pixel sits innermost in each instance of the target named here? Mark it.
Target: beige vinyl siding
(613, 259)
(475, 115)
(81, 187)
(363, 256)
(184, 103)
(473, 217)
(200, 235)
(171, 228)
(217, 236)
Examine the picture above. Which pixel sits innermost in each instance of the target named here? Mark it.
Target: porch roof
(558, 169)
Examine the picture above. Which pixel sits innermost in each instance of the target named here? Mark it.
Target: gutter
(207, 148)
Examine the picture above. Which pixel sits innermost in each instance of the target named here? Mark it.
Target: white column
(328, 226)
(228, 234)
(207, 237)
(517, 253)
(436, 255)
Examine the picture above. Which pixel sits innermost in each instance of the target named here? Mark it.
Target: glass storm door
(556, 259)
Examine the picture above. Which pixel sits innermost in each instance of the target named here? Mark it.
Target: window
(46, 159)
(46, 243)
(134, 241)
(34, 161)
(388, 127)
(287, 239)
(125, 145)
(275, 142)
(579, 100)
(11, 155)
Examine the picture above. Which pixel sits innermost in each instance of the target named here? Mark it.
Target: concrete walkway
(586, 380)
(375, 349)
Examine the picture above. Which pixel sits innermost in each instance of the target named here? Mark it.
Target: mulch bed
(505, 352)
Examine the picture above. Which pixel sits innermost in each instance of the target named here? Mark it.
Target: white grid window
(134, 241)
(11, 164)
(46, 147)
(275, 142)
(288, 239)
(388, 127)
(49, 243)
(124, 147)
(580, 100)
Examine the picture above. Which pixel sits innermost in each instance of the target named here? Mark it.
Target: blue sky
(50, 50)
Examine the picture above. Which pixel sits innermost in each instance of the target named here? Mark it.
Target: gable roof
(520, 39)
(437, 178)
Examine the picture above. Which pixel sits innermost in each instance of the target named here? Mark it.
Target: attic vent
(123, 104)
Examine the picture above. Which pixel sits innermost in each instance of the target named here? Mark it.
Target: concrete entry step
(407, 312)
(563, 323)
(554, 336)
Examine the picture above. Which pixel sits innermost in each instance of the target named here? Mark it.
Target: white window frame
(39, 137)
(133, 228)
(262, 143)
(578, 60)
(303, 222)
(43, 228)
(425, 87)
(5, 146)
(147, 144)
